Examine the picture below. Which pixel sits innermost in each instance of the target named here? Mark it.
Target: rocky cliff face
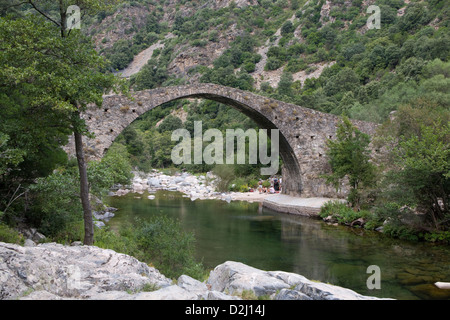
(55, 272)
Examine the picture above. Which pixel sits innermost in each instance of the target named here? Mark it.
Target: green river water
(264, 239)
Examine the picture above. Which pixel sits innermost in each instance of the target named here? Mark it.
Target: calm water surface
(246, 232)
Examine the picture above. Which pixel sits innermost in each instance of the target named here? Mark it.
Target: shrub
(253, 183)
(225, 174)
(273, 64)
(266, 184)
(443, 237)
(56, 202)
(400, 231)
(287, 28)
(243, 188)
(249, 67)
(346, 215)
(10, 235)
(338, 210)
(168, 247)
(238, 184)
(122, 241)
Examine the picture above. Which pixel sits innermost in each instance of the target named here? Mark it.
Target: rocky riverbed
(193, 186)
(53, 271)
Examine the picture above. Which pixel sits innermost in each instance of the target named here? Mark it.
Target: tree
(170, 123)
(287, 28)
(8, 156)
(418, 136)
(151, 75)
(424, 167)
(345, 80)
(64, 70)
(349, 156)
(285, 84)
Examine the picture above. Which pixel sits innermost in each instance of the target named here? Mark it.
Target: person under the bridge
(276, 185)
(271, 189)
(260, 187)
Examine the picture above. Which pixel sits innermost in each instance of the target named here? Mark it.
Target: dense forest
(397, 76)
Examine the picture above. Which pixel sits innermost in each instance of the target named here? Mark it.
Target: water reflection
(268, 240)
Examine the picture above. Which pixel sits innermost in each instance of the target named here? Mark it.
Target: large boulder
(237, 278)
(71, 271)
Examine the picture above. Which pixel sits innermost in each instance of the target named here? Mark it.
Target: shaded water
(246, 232)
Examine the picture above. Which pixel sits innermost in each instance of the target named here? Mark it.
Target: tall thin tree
(47, 9)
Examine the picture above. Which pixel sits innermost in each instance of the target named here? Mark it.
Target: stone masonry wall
(303, 131)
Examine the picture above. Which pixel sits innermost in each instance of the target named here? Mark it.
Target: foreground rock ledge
(54, 272)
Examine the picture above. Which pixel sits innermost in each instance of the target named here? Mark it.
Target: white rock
(71, 272)
(192, 285)
(173, 292)
(216, 295)
(287, 294)
(99, 224)
(236, 277)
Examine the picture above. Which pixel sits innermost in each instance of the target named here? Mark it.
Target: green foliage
(56, 203)
(440, 237)
(122, 55)
(417, 168)
(168, 247)
(9, 157)
(56, 206)
(170, 123)
(400, 231)
(349, 157)
(287, 28)
(116, 161)
(285, 84)
(151, 76)
(345, 80)
(122, 241)
(424, 167)
(225, 174)
(160, 241)
(113, 169)
(10, 235)
(339, 211)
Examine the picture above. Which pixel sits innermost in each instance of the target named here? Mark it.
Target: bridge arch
(302, 138)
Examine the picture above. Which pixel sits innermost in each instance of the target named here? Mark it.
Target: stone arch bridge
(302, 132)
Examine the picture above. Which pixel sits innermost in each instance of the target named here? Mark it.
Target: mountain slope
(325, 53)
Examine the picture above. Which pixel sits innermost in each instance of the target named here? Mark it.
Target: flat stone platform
(295, 205)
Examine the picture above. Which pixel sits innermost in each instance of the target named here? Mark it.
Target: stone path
(296, 205)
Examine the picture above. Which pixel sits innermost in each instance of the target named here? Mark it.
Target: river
(268, 240)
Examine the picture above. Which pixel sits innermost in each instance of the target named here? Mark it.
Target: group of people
(275, 186)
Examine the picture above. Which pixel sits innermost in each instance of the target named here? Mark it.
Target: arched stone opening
(302, 132)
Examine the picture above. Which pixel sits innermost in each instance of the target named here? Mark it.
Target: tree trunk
(84, 189)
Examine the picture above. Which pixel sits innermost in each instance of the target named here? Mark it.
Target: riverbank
(53, 271)
(195, 187)
(203, 187)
